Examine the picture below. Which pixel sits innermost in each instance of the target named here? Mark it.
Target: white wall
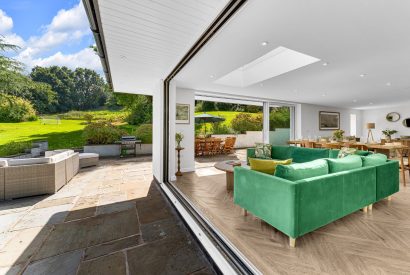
(378, 116)
(307, 120)
(157, 132)
(185, 96)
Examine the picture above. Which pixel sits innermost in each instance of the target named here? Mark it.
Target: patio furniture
(88, 159)
(229, 145)
(37, 176)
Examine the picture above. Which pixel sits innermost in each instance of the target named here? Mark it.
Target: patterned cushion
(263, 151)
(345, 151)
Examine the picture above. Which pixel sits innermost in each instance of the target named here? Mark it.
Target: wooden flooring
(377, 242)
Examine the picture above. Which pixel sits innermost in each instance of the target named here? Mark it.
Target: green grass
(68, 134)
(115, 115)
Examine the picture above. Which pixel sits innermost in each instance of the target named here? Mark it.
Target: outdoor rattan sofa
(37, 176)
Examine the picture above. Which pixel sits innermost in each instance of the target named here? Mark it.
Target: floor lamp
(369, 127)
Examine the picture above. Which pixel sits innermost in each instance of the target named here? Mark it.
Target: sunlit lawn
(68, 134)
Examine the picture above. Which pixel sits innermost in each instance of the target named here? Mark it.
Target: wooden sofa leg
(364, 209)
(245, 212)
(370, 207)
(389, 198)
(292, 242)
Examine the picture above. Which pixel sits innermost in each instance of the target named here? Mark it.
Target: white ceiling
(354, 37)
(145, 39)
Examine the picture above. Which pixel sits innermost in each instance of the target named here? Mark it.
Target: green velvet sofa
(297, 207)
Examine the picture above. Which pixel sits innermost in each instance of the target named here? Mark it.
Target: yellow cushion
(267, 166)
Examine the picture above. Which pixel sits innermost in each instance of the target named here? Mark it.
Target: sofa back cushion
(29, 161)
(282, 152)
(343, 164)
(301, 154)
(334, 153)
(267, 166)
(299, 171)
(374, 160)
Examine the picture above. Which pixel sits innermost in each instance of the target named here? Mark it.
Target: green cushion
(267, 166)
(363, 153)
(282, 152)
(344, 164)
(301, 154)
(333, 153)
(300, 171)
(263, 151)
(374, 160)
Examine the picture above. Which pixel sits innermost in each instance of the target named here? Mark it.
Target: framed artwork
(329, 120)
(182, 114)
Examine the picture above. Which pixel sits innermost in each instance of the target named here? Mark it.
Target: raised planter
(106, 150)
(114, 150)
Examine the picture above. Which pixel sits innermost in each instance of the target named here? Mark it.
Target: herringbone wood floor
(377, 242)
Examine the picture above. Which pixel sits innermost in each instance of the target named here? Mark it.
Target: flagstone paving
(110, 219)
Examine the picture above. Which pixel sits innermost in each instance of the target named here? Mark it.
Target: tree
(81, 89)
(246, 122)
(279, 118)
(140, 107)
(208, 106)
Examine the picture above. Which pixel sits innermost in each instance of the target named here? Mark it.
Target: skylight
(276, 62)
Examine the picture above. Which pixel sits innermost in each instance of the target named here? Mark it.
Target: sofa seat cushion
(267, 166)
(88, 155)
(374, 160)
(59, 157)
(282, 152)
(28, 161)
(301, 154)
(263, 151)
(299, 171)
(344, 164)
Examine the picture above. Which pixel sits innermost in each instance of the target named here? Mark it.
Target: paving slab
(106, 265)
(110, 247)
(66, 264)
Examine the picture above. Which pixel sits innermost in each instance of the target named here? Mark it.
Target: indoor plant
(388, 133)
(338, 134)
(178, 138)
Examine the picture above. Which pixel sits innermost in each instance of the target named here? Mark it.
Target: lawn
(67, 134)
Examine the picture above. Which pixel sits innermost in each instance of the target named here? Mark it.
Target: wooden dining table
(399, 149)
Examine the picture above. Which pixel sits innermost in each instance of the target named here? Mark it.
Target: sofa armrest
(268, 197)
(387, 179)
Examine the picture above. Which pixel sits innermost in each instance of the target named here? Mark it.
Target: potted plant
(338, 135)
(388, 133)
(178, 138)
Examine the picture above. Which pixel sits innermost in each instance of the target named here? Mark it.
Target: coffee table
(227, 166)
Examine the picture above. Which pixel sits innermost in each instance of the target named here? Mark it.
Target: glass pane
(279, 125)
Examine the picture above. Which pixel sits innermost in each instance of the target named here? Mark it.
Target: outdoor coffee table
(228, 166)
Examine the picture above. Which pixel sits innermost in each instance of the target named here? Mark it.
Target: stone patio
(110, 219)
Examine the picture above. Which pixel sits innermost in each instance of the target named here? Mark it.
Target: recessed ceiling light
(354, 100)
(261, 84)
(265, 43)
(388, 84)
(362, 75)
(323, 94)
(370, 103)
(211, 76)
(325, 63)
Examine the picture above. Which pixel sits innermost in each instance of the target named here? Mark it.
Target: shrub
(144, 133)
(219, 128)
(88, 117)
(102, 133)
(14, 148)
(16, 109)
(246, 122)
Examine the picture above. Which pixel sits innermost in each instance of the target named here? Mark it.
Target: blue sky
(49, 32)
